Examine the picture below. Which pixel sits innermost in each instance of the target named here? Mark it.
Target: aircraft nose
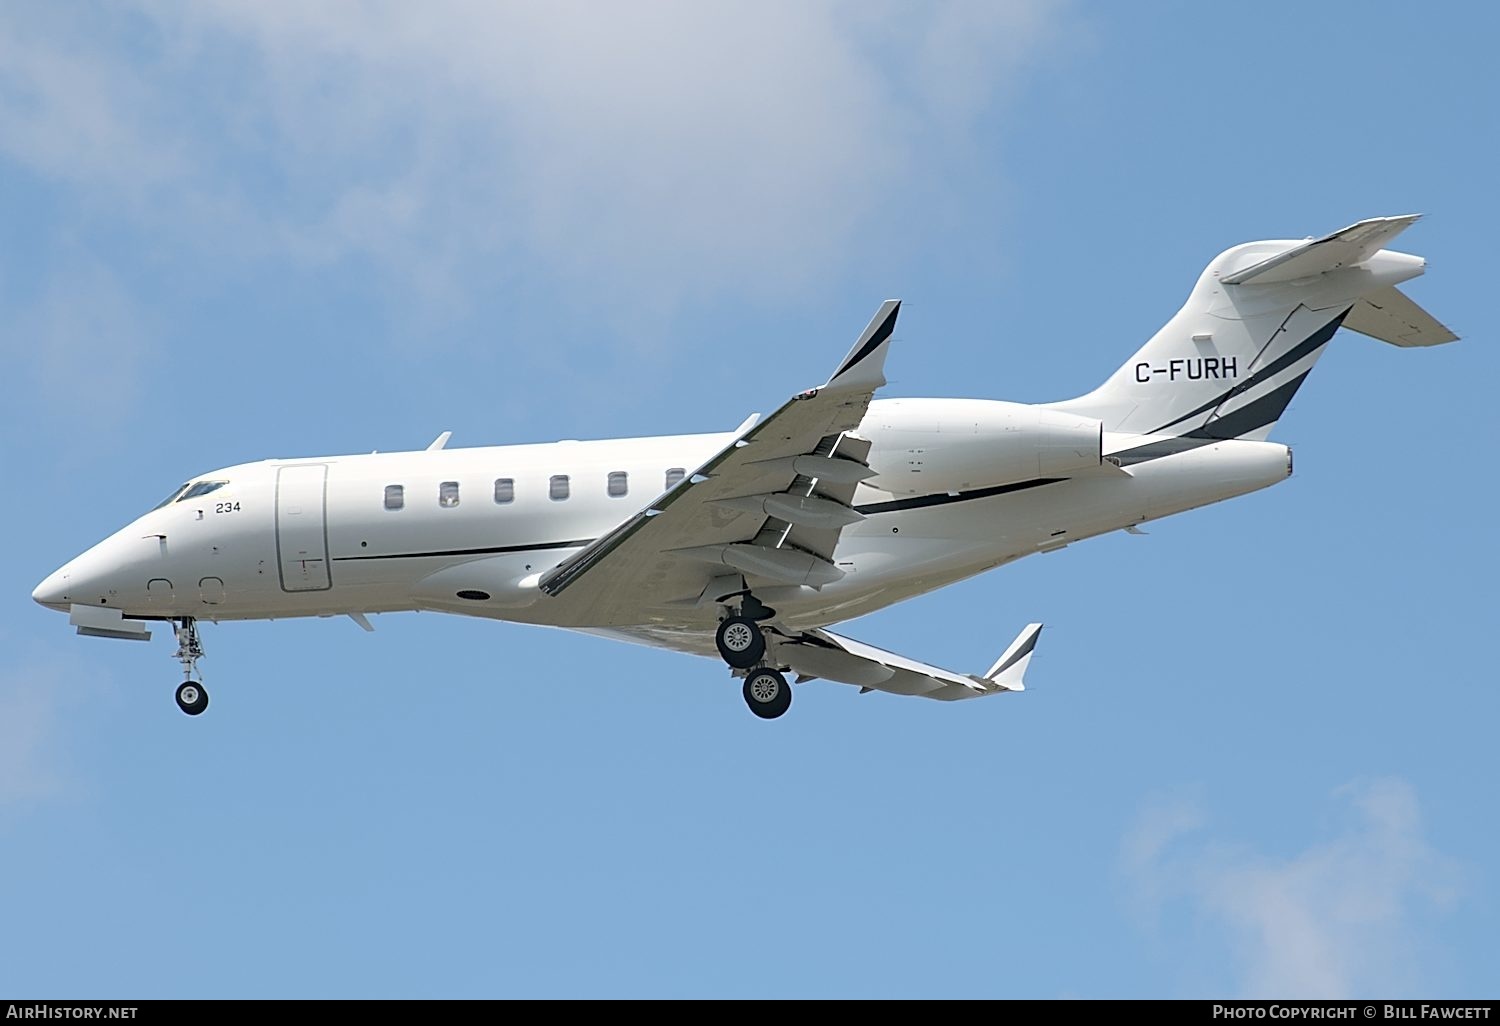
(53, 592)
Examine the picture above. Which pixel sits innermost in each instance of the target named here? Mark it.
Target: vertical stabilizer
(1261, 314)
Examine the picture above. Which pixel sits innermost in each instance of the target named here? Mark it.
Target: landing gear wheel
(767, 693)
(192, 698)
(740, 642)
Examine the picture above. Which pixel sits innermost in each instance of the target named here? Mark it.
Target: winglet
(864, 367)
(1009, 670)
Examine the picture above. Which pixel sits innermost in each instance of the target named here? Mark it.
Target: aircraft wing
(820, 653)
(768, 507)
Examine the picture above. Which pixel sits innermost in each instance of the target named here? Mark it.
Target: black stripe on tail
(1266, 373)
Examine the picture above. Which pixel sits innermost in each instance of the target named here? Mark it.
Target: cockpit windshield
(191, 490)
(201, 488)
(176, 494)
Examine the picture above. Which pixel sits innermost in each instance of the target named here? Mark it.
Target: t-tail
(1260, 316)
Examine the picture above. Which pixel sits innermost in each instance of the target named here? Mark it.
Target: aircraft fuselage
(470, 530)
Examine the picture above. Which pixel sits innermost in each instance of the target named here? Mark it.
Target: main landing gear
(767, 693)
(740, 641)
(192, 696)
(742, 644)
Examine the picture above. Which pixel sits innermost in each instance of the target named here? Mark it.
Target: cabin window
(558, 487)
(448, 494)
(619, 483)
(505, 490)
(674, 476)
(395, 496)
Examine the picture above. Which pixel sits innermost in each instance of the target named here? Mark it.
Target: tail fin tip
(1343, 248)
(1258, 319)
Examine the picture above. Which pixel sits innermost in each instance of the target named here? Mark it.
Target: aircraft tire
(192, 697)
(740, 642)
(767, 693)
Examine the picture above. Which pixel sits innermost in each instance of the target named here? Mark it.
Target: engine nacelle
(922, 446)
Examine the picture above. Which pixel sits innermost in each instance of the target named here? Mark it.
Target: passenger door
(302, 527)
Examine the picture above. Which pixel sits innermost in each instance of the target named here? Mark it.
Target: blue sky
(1257, 754)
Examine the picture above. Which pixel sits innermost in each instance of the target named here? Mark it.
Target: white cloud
(1143, 847)
(672, 147)
(26, 724)
(77, 347)
(73, 112)
(1341, 918)
(33, 699)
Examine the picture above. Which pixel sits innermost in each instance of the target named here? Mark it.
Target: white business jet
(748, 544)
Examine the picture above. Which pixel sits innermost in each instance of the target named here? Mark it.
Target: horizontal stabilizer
(1344, 248)
(1389, 315)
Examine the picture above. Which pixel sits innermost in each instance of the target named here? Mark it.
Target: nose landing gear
(192, 696)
